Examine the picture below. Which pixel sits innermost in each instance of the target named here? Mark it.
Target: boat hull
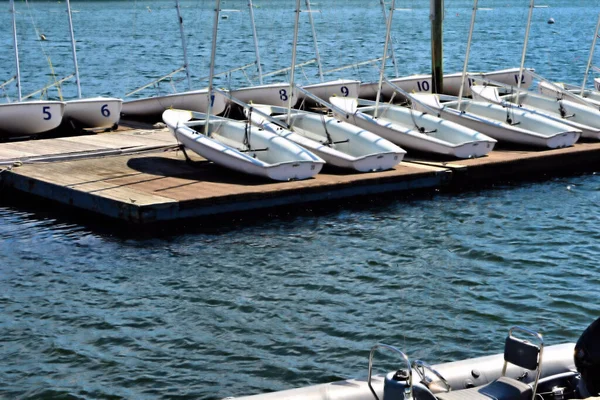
(276, 94)
(30, 118)
(557, 360)
(350, 147)
(97, 112)
(281, 161)
(423, 83)
(153, 107)
(340, 87)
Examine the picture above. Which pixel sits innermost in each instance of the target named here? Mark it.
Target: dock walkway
(140, 176)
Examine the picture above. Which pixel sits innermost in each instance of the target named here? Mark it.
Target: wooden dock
(139, 176)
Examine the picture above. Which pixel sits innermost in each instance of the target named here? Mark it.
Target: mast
(212, 65)
(14, 21)
(385, 48)
(464, 73)
(437, 46)
(73, 49)
(314, 35)
(524, 49)
(382, 2)
(258, 66)
(587, 69)
(295, 43)
(185, 58)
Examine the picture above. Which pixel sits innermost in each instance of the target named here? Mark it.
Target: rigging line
(37, 33)
(329, 141)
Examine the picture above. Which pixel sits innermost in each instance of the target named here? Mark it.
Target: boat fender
(587, 358)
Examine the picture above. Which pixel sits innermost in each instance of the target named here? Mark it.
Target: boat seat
(519, 352)
(501, 388)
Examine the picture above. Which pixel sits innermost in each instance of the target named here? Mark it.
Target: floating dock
(140, 176)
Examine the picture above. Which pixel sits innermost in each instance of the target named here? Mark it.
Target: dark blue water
(298, 299)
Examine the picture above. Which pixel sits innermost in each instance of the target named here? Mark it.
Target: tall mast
(314, 35)
(258, 66)
(73, 49)
(587, 69)
(464, 73)
(382, 2)
(524, 49)
(212, 64)
(290, 95)
(14, 21)
(185, 58)
(385, 49)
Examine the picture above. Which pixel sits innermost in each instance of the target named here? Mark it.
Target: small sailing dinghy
(94, 112)
(151, 108)
(414, 129)
(239, 146)
(409, 128)
(338, 143)
(27, 118)
(568, 112)
(526, 370)
(505, 122)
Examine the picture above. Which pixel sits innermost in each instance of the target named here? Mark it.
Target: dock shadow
(199, 170)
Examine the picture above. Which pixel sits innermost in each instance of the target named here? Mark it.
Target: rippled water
(298, 299)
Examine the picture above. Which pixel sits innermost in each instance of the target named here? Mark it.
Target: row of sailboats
(421, 130)
(28, 118)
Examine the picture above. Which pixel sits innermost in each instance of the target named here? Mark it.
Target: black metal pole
(437, 46)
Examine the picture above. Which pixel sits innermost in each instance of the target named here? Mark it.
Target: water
(290, 300)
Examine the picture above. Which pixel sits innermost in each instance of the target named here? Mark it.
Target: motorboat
(242, 147)
(526, 370)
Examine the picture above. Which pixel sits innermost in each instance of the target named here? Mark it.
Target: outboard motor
(587, 358)
(397, 385)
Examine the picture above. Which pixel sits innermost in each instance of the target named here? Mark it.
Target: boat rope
(38, 35)
(247, 130)
(329, 141)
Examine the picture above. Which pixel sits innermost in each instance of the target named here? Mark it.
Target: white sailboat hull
(196, 100)
(272, 156)
(567, 112)
(347, 146)
(422, 83)
(276, 94)
(525, 128)
(30, 117)
(399, 125)
(340, 87)
(590, 97)
(96, 112)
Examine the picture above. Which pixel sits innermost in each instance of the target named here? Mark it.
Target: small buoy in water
(42, 36)
(148, 8)
(551, 21)
(224, 16)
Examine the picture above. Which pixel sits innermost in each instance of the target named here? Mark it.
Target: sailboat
(590, 97)
(409, 128)
(502, 122)
(338, 143)
(94, 112)
(579, 116)
(27, 118)
(151, 108)
(279, 94)
(237, 144)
